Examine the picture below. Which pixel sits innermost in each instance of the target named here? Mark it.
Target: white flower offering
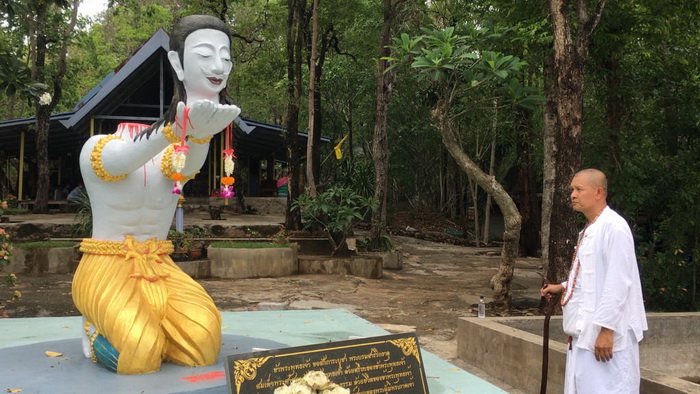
(314, 382)
(45, 99)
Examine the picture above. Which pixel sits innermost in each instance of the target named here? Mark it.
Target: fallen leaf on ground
(53, 354)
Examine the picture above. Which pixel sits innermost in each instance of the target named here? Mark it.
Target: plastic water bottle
(482, 307)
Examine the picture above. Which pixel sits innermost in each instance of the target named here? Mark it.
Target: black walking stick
(552, 303)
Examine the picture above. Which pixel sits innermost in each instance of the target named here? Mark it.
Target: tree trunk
(500, 282)
(492, 166)
(380, 140)
(548, 174)
(310, 147)
(529, 235)
(43, 117)
(564, 144)
(474, 192)
(43, 112)
(294, 44)
(614, 107)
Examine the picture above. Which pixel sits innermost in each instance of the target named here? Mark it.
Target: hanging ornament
(228, 181)
(179, 154)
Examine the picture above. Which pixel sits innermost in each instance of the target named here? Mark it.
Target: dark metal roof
(61, 140)
(139, 90)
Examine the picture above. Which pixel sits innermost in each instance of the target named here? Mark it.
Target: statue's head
(192, 39)
(200, 54)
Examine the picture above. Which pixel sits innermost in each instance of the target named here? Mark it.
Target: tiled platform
(24, 365)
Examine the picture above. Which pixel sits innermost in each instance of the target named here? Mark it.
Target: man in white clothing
(602, 298)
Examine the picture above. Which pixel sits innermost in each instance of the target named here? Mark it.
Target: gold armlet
(96, 160)
(199, 140)
(166, 165)
(169, 134)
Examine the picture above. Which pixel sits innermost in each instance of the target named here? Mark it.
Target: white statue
(139, 307)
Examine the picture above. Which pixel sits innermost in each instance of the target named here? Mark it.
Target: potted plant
(194, 241)
(180, 244)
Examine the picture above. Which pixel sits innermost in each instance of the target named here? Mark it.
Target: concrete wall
(252, 262)
(510, 349)
(509, 354)
(36, 261)
(364, 266)
(268, 205)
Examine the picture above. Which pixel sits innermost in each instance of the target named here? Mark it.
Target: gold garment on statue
(145, 305)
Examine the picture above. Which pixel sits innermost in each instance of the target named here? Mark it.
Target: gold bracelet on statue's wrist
(96, 160)
(199, 140)
(169, 134)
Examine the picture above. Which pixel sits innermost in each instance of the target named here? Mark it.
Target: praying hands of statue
(205, 118)
(604, 345)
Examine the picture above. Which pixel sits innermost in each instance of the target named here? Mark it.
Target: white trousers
(620, 375)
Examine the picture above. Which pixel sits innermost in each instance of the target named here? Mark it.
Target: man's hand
(604, 345)
(206, 118)
(547, 291)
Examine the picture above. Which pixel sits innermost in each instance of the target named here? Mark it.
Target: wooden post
(20, 180)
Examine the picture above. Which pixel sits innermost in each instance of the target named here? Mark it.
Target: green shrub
(83, 216)
(337, 211)
(669, 280)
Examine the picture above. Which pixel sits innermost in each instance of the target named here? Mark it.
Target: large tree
(380, 139)
(295, 29)
(573, 23)
(454, 65)
(313, 132)
(47, 24)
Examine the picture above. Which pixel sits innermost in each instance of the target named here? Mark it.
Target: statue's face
(206, 64)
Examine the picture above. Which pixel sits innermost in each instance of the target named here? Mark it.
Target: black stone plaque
(373, 365)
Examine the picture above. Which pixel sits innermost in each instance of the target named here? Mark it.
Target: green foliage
(667, 279)
(280, 237)
(179, 240)
(384, 244)
(357, 175)
(82, 223)
(337, 211)
(15, 79)
(194, 236)
(188, 239)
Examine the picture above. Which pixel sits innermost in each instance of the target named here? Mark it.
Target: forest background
(462, 108)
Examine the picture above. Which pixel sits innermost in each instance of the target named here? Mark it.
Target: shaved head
(595, 178)
(589, 191)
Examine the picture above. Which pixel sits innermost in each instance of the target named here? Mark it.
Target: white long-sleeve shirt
(608, 291)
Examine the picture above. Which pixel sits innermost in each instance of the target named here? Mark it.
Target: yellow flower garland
(96, 160)
(166, 164)
(169, 134)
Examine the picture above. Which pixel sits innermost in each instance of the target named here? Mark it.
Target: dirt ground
(438, 283)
